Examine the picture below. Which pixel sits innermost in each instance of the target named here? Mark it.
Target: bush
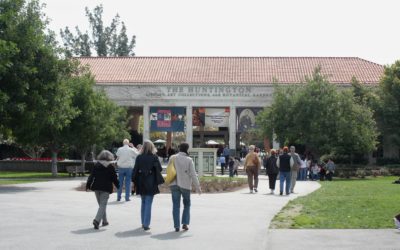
(384, 171)
(361, 173)
(386, 161)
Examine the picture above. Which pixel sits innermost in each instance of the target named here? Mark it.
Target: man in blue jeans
(284, 163)
(125, 161)
(182, 186)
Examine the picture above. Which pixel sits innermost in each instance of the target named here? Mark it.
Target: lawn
(360, 203)
(9, 177)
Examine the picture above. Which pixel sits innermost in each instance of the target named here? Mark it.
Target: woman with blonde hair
(145, 176)
(252, 165)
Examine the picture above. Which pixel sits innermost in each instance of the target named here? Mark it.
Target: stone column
(232, 127)
(146, 122)
(189, 125)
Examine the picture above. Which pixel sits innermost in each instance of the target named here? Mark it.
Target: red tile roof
(228, 70)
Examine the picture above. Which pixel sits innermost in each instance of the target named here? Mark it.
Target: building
(212, 98)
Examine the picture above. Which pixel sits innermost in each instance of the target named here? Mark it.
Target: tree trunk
(54, 163)
(83, 161)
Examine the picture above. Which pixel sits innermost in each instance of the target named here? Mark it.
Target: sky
(334, 28)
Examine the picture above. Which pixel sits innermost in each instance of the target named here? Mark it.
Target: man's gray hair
(105, 155)
(252, 147)
(125, 142)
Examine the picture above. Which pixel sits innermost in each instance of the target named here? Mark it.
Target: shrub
(361, 173)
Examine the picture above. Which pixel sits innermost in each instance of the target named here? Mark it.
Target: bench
(75, 170)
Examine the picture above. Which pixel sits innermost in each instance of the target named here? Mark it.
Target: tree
(33, 81)
(105, 40)
(321, 117)
(390, 105)
(99, 121)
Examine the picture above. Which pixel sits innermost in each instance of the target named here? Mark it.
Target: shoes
(255, 190)
(119, 199)
(280, 193)
(105, 223)
(146, 228)
(251, 191)
(287, 193)
(177, 229)
(127, 199)
(96, 224)
(272, 191)
(185, 227)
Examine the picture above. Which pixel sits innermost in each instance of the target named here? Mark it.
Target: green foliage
(321, 117)
(105, 40)
(390, 106)
(366, 203)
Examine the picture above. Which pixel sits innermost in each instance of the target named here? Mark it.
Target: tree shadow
(132, 233)
(15, 189)
(170, 236)
(87, 231)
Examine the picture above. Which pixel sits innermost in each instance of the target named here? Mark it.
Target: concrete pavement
(52, 215)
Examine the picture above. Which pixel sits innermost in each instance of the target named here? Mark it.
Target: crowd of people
(142, 167)
(283, 163)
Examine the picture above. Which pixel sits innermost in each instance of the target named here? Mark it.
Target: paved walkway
(52, 215)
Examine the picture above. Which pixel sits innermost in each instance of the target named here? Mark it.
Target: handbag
(171, 171)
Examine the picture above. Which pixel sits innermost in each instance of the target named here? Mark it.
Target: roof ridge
(203, 57)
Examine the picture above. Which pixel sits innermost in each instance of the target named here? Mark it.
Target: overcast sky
(367, 29)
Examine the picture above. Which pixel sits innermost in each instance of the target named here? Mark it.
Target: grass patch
(367, 203)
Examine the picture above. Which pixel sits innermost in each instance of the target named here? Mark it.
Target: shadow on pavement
(87, 231)
(170, 236)
(13, 189)
(132, 233)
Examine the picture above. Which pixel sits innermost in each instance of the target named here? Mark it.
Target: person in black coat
(101, 182)
(272, 170)
(147, 176)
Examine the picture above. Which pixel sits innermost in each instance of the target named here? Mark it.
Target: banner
(199, 116)
(217, 117)
(247, 118)
(170, 119)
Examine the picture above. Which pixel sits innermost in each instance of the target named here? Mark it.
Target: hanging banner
(199, 116)
(170, 119)
(217, 117)
(247, 118)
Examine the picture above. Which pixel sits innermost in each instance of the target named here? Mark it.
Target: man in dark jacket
(284, 163)
(100, 181)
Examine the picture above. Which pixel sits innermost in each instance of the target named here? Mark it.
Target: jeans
(303, 174)
(124, 173)
(145, 213)
(176, 193)
(284, 176)
(102, 199)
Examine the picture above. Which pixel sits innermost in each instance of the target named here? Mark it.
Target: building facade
(193, 94)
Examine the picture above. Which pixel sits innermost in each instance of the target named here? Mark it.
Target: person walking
(226, 153)
(252, 165)
(294, 169)
(147, 168)
(125, 161)
(222, 163)
(330, 169)
(271, 169)
(182, 185)
(101, 181)
(236, 166)
(284, 163)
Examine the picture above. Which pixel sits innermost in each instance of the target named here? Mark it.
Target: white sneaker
(251, 191)
(272, 191)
